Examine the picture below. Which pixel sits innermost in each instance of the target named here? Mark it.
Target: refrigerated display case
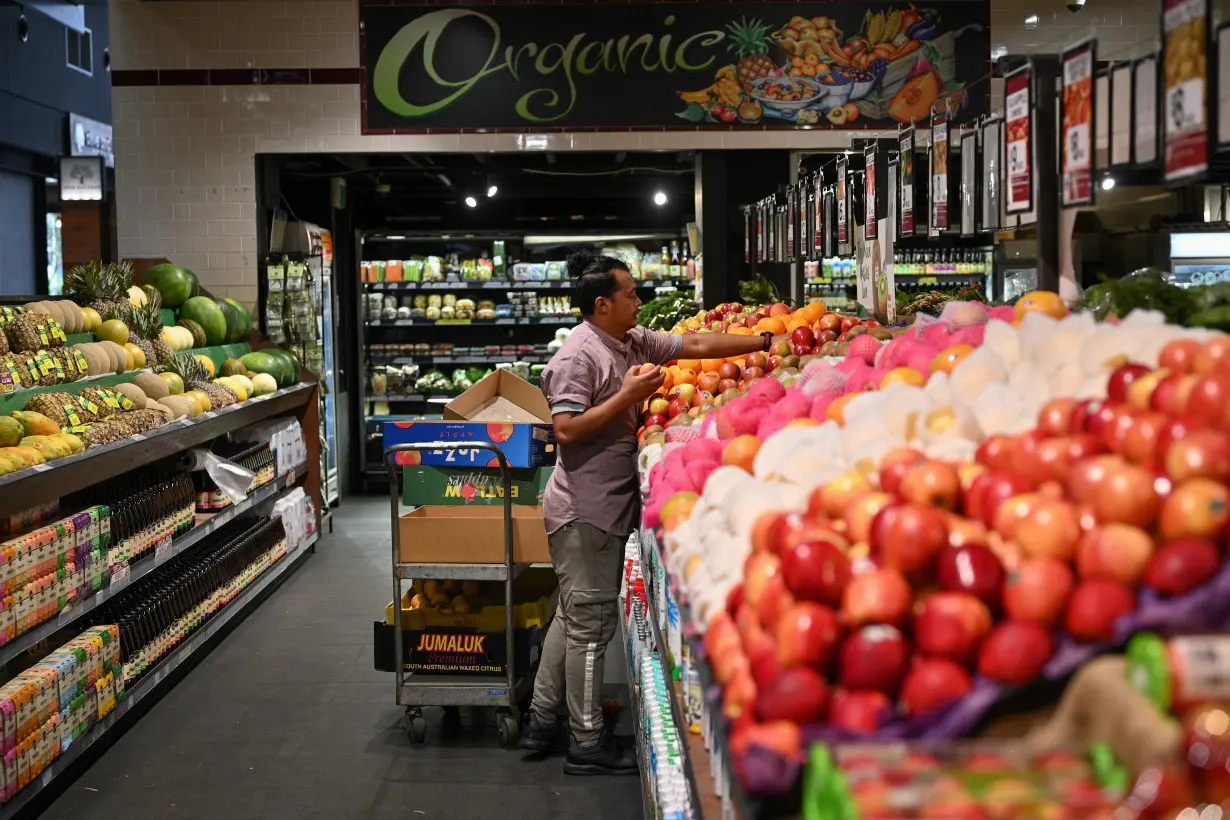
(1199, 258)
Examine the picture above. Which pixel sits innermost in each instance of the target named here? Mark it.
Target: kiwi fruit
(857, 330)
(880, 333)
(179, 406)
(828, 349)
(134, 393)
(154, 387)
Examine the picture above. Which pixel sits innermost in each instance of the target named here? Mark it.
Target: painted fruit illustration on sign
(809, 71)
(499, 433)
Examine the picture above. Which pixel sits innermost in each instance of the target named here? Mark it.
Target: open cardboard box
(471, 535)
(501, 409)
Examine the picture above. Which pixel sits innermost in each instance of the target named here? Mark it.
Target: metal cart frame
(457, 690)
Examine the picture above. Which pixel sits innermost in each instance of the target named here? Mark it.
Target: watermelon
(263, 361)
(232, 320)
(206, 313)
(245, 317)
(172, 282)
(196, 284)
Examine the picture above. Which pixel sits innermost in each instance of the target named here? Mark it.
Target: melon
(172, 282)
(206, 313)
(196, 284)
(134, 393)
(198, 332)
(233, 320)
(263, 361)
(289, 373)
(152, 386)
(245, 317)
(262, 384)
(232, 367)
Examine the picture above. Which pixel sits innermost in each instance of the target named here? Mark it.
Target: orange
(773, 324)
(688, 364)
(836, 410)
(812, 311)
(710, 365)
(677, 509)
(1041, 300)
(950, 357)
(903, 375)
(741, 452)
(740, 331)
(668, 378)
(803, 422)
(685, 377)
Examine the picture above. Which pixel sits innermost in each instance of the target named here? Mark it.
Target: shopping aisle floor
(287, 719)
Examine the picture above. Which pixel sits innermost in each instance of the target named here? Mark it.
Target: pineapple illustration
(751, 45)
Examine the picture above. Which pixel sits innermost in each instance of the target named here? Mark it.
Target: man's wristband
(768, 340)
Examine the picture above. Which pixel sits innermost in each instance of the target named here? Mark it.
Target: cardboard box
(464, 487)
(501, 409)
(457, 650)
(471, 535)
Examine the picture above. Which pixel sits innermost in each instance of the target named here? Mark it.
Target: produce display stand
(415, 692)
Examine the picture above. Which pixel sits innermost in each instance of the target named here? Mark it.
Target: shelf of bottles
(831, 281)
(925, 269)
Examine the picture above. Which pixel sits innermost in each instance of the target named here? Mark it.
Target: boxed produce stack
(285, 437)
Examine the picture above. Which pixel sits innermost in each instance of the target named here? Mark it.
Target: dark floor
(287, 719)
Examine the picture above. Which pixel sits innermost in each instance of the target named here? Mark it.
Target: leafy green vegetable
(665, 312)
(1143, 290)
(759, 291)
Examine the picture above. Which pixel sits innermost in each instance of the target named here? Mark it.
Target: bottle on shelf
(687, 263)
(665, 262)
(673, 270)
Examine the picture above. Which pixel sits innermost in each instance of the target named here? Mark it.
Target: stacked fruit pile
(892, 562)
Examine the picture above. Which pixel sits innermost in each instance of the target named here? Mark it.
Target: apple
(797, 528)
(657, 419)
(829, 321)
(761, 652)
(833, 498)
(858, 711)
(1050, 529)
(1015, 653)
(1089, 476)
(807, 635)
(1128, 496)
(1098, 417)
(799, 695)
(658, 405)
(1037, 590)
(1199, 453)
(1093, 608)
(729, 370)
(707, 382)
(1179, 355)
(1116, 551)
(790, 360)
(1179, 566)
(1207, 402)
(874, 657)
(932, 683)
(1172, 393)
(1140, 391)
(676, 407)
(895, 464)
(757, 570)
(753, 373)
(682, 392)
(775, 601)
(997, 452)
(1121, 379)
(825, 336)
(779, 309)
(727, 384)
(800, 350)
(1055, 417)
(1197, 508)
(765, 529)
(950, 625)
(734, 599)
(756, 359)
(738, 694)
(880, 595)
(702, 398)
(992, 489)
(933, 483)
(859, 515)
(803, 335)
(1013, 511)
(779, 348)
(1139, 444)
(775, 361)
(1121, 421)
(972, 568)
(737, 321)
(906, 537)
(816, 571)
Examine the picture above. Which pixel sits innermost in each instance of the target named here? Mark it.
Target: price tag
(163, 550)
(119, 576)
(290, 476)
(66, 615)
(39, 468)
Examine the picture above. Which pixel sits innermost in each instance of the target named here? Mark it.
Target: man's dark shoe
(607, 756)
(537, 736)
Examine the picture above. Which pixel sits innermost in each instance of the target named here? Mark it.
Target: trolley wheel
(508, 728)
(416, 727)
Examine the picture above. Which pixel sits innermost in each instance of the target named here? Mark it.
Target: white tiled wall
(185, 155)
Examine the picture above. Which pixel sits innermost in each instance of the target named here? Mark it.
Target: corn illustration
(875, 27)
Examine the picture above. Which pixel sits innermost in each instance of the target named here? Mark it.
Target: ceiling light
(659, 198)
(1031, 21)
(472, 202)
(1108, 183)
(492, 190)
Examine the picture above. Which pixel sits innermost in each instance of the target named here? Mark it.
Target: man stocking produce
(595, 386)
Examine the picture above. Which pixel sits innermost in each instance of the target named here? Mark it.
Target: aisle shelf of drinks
(154, 677)
(123, 573)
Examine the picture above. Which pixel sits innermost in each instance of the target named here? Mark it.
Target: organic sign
(869, 194)
(819, 215)
(1185, 54)
(906, 144)
(1018, 141)
(675, 64)
(939, 167)
(1077, 129)
(843, 202)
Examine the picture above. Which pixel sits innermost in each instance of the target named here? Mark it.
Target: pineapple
(193, 373)
(146, 326)
(103, 287)
(750, 43)
(22, 333)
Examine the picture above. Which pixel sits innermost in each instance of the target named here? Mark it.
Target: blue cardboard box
(501, 409)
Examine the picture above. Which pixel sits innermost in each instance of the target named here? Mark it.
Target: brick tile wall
(185, 154)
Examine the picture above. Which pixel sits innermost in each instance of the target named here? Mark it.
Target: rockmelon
(232, 367)
(135, 394)
(179, 406)
(77, 316)
(152, 386)
(198, 332)
(119, 358)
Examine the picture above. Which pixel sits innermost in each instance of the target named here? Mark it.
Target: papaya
(35, 424)
(913, 102)
(49, 446)
(11, 432)
(28, 455)
(10, 464)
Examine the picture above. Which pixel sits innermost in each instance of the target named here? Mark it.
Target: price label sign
(119, 576)
(163, 550)
(939, 166)
(869, 193)
(905, 141)
(1018, 140)
(843, 216)
(1077, 130)
(1185, 55)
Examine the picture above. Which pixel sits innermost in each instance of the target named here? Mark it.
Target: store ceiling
(533, 189)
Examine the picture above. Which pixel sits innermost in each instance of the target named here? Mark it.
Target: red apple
(1089, 476)
(775, 601)
(658, 405)
(950, 625)
(1116, 429)
(933, 483)
(775, 361)
(807, 634)
(729, 370)
(832, 499)
(779, 348)
(895, 464)
(1116, 551)
(1179, 355)
(1055, 417)
(830, 321)
(858, 711)
(1015, 653)
(1172, 393)
(1203, 453)
(761, 653)
(753, 373)
(734, 599)
(881, 595)
(1127, 496)
(683, 392)
(997, 452)
(874, 657)
(932, 683)
(738, 694)
(676, 407)
(861, 513)
(1180, 566)
(727, 384)
(1139, 444)
(1195, 508)
(803, 335)
(708, 382)
(801, 350)
(816, 571)
(759, 567)
(798, 528)
(1050, 529)
(799, 695)
(1140, 391)
(907, 537)
(1013, 511)
(779, 309)
(995, 488)
(765, 529)
(1206, 404)
(756, 359)
(1095, 605)
(657, 419)
(1121, 379)
(972, 568)
(1037, 590)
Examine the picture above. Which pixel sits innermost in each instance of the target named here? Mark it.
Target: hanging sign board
(843, 216)
(820, 225)
(1144, 98)
(1077, 129)
(1018, 141)
(1121, 114)
(870, 220)
(969, 182)
(804, 207)
(1185, 52)
(747, 234)
(792, 197)
(992, 131)
(906, 206)
(1101, 120)
(939, 166)
(1223, 86)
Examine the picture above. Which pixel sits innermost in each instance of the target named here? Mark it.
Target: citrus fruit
(949, 358)
(113, 330)
(1044, 301)
(175, 385)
